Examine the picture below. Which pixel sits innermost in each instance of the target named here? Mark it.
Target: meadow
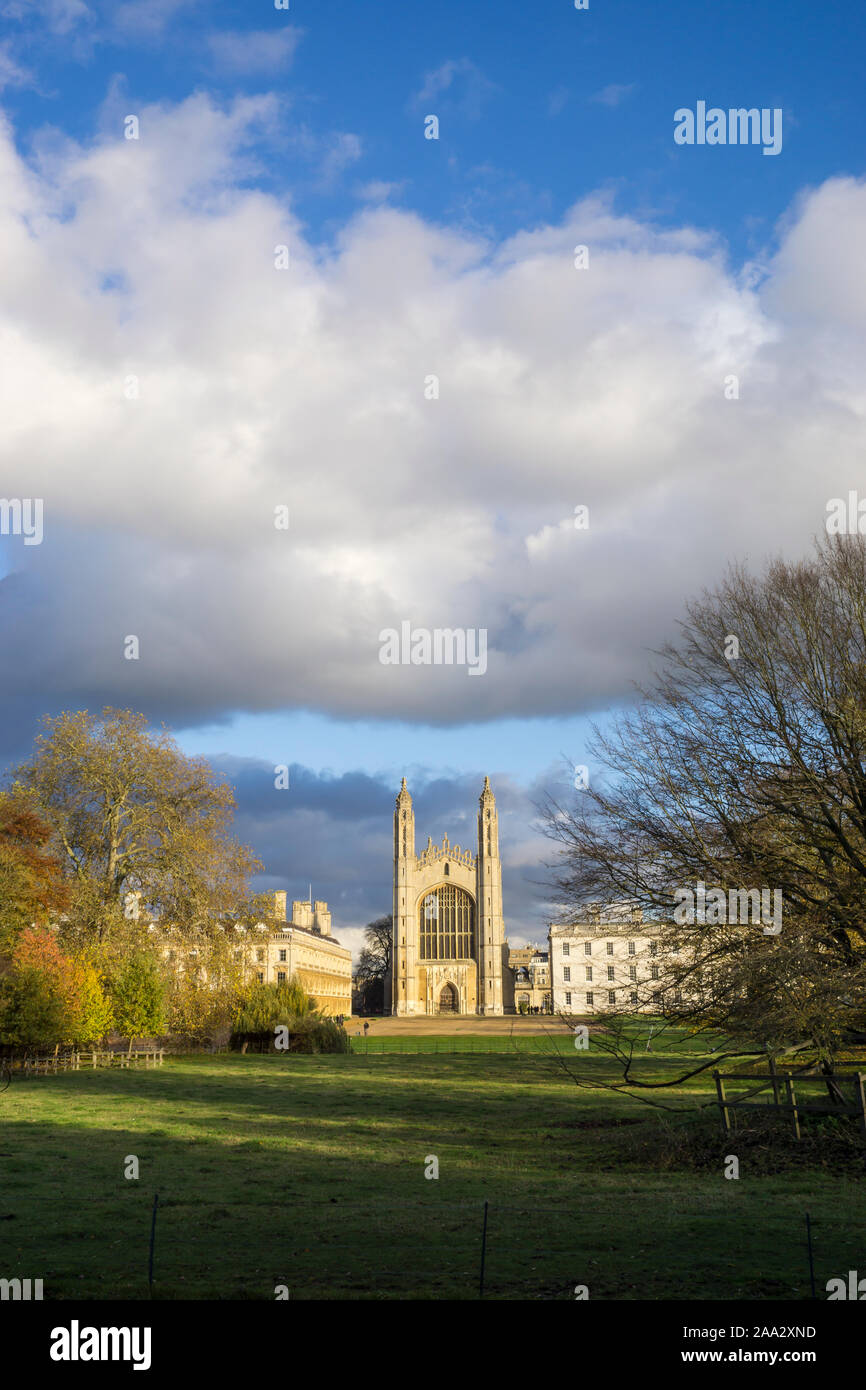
(309, 1172)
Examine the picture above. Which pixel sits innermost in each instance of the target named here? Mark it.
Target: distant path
(443, 1026)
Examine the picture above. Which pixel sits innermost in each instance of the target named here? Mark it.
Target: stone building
(530, 971)
(612, 960)
(273, 951)
(449, 952)
(303, 947)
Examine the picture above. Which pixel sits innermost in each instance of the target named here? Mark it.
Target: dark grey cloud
(336, 833)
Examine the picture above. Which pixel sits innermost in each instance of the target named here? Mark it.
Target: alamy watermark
(21, 1290)
(77, 1343)
(742, 906)
(22, 516)
(855, 1289)
(846, 516)
(441, 646)
(736, 126)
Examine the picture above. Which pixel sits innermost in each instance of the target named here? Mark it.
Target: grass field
(309, 1172)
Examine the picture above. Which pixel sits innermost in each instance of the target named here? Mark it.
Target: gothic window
(447, 870)
(447, 922)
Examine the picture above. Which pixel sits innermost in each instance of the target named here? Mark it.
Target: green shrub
(261, 1007)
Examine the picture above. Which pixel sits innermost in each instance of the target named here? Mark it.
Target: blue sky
(539, 104)
(153, 260)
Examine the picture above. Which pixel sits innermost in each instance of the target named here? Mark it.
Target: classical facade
(530, 970)
(449, 953)
(613, 960)
(272, 952)
(303, 947)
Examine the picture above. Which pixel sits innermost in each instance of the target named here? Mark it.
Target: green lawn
(309, 1172)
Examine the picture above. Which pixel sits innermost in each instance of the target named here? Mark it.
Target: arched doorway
(448, 1001)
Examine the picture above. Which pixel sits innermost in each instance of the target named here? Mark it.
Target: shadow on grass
(312, 1176)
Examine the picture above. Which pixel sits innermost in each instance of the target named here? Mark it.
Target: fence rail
(779, 1081)
(74, 1061)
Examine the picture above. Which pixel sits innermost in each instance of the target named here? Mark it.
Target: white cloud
(61, 16)
(342, 150)
(249, 52)
(557, 100)
(12, 74)
(147, 19)
(614, 94)
(457, 84)
(379, 190)
(558, 387)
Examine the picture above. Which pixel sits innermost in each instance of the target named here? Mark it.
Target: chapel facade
(449, 952)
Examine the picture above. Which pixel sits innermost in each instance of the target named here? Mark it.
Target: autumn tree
(139, 825)
(31, 880)
(49, 998)
(205, 984)
(138, 993)
(743, 766)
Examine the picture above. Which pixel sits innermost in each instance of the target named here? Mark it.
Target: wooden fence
(784, 1097)
(74, 1061)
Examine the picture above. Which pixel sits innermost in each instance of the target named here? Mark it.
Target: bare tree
(744, 767)
(374, 963)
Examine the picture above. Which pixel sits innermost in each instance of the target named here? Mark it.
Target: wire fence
(452, 1046)
(166, 1245)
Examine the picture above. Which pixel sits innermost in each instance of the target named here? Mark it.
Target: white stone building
(303, 947)
(613, 960)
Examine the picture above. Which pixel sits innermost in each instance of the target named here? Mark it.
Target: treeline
(107, 829)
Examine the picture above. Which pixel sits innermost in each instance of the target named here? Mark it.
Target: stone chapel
(449, 952)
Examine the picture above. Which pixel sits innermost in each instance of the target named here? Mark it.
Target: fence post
(811, 1261)
(771, 1063)
(152, 1239)
(861, 1097)
(483, 1251)
(792, 1101)
(720, 1092)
